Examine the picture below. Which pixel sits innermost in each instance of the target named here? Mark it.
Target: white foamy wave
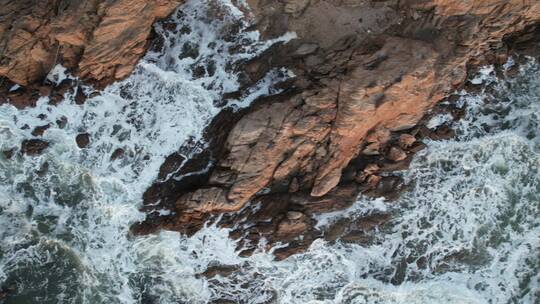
(65, 214)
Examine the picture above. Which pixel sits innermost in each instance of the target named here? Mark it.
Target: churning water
(468, 231)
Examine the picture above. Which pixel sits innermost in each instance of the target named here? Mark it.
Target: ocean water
(467, 232)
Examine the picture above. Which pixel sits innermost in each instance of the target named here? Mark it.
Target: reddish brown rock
(394, 94)
(363, 80)
(82, 140)
(396, 154)
(33, 146)
(121, 37)
(294, 224)
(406, 141)
(271, 143)
(99, 39)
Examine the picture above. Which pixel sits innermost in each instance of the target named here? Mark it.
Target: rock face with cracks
(365, 79)
(100, 40)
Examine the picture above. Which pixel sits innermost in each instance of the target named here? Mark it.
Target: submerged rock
(38, 131)
(8, 154)
(33, 146)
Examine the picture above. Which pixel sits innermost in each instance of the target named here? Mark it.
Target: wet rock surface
(366, 83)
(368, 76)
(82, 140)
(33, 146)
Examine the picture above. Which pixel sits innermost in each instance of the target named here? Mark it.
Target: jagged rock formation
(368, 72)
(100, 40)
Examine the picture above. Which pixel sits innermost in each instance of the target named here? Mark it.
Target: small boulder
(38, 131)
(371, 169)
(406, 140)
(294, 215)
(62, 122)
(306, 49)
(373, 180)
(80, 97)
(33, 146)
(396, 154)
(371, 149)
(45, 90)
(83, 140)
(118, 153)
(9, 153)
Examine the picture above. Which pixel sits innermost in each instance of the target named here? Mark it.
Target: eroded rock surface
(367, 73)
(100, 40)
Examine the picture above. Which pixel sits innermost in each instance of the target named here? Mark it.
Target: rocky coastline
(368, 77)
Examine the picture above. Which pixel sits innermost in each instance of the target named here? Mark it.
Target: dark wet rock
(62, 122)
(20, 98)
(396, 154)
(356, 230)
(43, 169)
(38, 131)
(83, 140)
(33, 146)
(221, 270)
(118, 153)
(396, 166)
(58, 92)
(189, 50)
(6, 291)
(45, 91)
(389, 187)
(8, 154)
(80, 96)
(443, 132)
